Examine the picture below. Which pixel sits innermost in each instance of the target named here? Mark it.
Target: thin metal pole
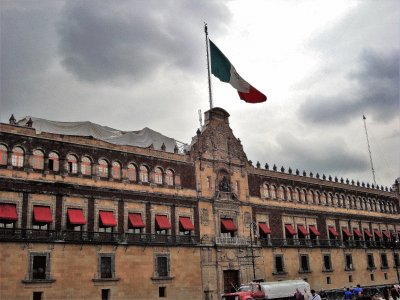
(208, 67)
(369, 150)
(252, 250)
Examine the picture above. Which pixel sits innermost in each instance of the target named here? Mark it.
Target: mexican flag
(226, 72)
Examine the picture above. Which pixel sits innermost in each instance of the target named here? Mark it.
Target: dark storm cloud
(108, 41)
(332, 157)
(375, 91)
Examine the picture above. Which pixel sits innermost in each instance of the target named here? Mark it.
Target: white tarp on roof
(141, 138)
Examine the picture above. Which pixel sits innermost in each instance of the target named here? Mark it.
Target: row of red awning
(42, 214)
(302, 230)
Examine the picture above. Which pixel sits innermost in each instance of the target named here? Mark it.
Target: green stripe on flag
(220, 65)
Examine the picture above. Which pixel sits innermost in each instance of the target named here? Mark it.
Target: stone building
(85, 217)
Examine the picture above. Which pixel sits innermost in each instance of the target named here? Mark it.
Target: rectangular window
(162, 266)
(162, 292)
(37, 295)
(105, 294)
(327, 262)
(39, 266)
(350, 278)
(370, 261)
(385, 275)
(384, 261)
(304, 263)
(328, 280)
(106, 265)
(396, 260)
(279, 264)
(349, 262)
(208, 182)
(372, 277)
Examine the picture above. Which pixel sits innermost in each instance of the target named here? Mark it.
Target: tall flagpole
(208, 67)
(369, 150)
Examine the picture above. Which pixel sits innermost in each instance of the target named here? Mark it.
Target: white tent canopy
(142, 138)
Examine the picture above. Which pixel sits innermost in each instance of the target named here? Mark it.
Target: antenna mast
(369, 150)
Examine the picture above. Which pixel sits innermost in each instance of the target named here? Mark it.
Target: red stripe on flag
(253, 96)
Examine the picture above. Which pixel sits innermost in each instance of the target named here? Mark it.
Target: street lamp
(396, 262)
(253, 226)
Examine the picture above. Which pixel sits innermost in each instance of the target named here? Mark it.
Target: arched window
(116, 170)
(144, 174)
(158, 176)
(17, 158)
(72, 164)
(103, 168)
(273, 192)
(3, 155)
(86, 166)
(169, 177)
(54, 162)
(265, 190)
(317, 199)
(132, 172)
(323, 198)
(37, 160)
(281, 192)
(303, 196)
(289, 194)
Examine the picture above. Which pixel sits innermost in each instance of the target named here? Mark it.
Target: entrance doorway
(231, 281)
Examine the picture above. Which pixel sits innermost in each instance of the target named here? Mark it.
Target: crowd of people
(357, 293)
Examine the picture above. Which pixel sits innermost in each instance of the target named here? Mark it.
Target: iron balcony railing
(39, 235)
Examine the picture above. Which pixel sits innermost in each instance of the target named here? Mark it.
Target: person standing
(307, 295)
(357, 291)
(348, 295)
(314, 295)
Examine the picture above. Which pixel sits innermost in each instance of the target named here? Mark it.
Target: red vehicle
(251, 291)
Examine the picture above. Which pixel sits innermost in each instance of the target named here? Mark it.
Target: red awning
(186, 223)
(314, 230)
(76, 217)
(42, 214)
(302, 229)
(333, 231)
(8, 212)
(347, 232)
(162, 222)
(290, 229)
(228, 225)
(386, 233)
(378, 233)
(357, 232)
(107, 219)
(264, 228)
(368, 233)
(135, 219)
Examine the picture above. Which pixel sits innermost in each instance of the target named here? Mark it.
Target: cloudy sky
(132, 64)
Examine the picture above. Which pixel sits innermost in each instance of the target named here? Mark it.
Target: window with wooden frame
(116, 170)
(72, 164)
(86, 166)
(103, 168)
(106, 265)
(39, 266)
(3, 155)
(158, 176)
(144, 174)
(132, 172)
(384, 261)
(327, 262)
(169, 177)
(37, 160)
(54, 162)
(349, 262)
(17, 157)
